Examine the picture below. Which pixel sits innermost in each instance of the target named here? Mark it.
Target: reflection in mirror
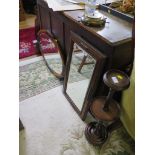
(51, 53)
(81, 70)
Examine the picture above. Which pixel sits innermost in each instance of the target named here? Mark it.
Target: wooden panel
(122, 55)
(44, 16)
(57, 28)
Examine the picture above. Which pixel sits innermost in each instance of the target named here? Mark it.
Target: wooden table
(114, 40)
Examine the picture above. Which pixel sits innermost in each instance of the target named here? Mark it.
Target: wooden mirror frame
(60, 76)
(96, 75)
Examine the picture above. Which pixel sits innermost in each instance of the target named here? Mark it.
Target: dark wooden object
(21, 127)
(100, 61)
(116, 13)
(105, 108)
(114, 40)
(83, 62)
(53, 40)
(29, 6)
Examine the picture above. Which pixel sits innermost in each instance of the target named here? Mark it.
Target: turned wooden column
(105, 108)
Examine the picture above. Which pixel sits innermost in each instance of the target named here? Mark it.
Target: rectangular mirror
(83, 71)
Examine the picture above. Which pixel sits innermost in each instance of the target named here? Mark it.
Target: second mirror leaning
(51, 53)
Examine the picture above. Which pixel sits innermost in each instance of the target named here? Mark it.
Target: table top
(116, 31)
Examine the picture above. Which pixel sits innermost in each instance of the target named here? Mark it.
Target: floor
(51, 125)
(49, 120)
(29, 22)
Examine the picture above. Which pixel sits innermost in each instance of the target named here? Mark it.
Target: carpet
(27, 41)
(26, 45)
(52, 127)
(35, 78)
(47, 44)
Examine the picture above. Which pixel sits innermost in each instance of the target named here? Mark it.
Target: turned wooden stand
(104, 108)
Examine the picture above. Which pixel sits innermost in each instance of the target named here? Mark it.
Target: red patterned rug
(48, 44)
(26, 45)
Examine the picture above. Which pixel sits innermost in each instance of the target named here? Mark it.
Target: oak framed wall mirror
(52, 53)
(83, 71)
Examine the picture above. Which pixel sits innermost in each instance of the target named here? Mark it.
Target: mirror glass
(54, 62)
(80, 73)
(51, 52)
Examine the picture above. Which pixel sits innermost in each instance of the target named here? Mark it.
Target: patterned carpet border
(35, 78)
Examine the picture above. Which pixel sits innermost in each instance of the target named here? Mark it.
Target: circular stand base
(95, 133)
(97, 109)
